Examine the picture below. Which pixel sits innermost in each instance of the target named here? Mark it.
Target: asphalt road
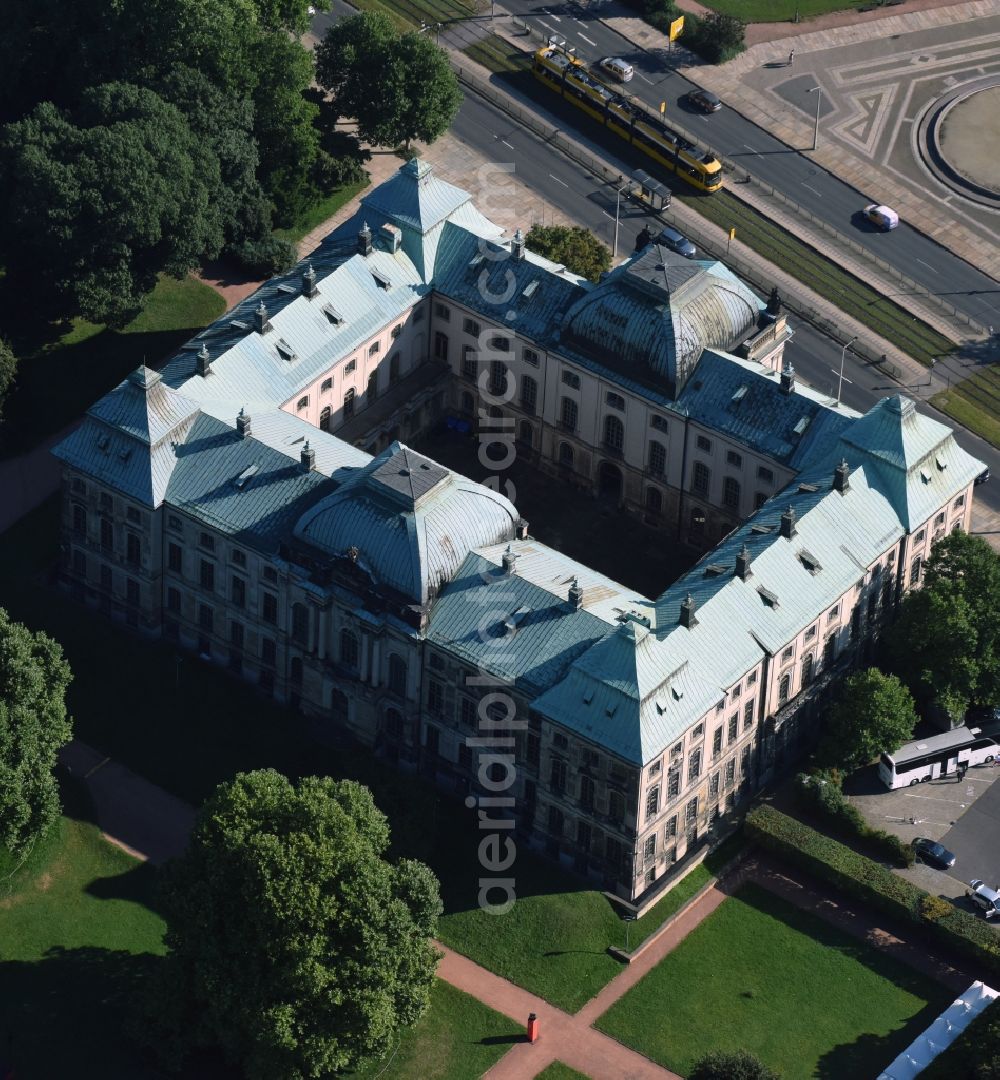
(973, 839)
(784, 168)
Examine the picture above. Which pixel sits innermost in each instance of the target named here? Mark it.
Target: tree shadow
(870, 1053)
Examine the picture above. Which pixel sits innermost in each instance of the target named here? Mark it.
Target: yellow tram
(568, 76)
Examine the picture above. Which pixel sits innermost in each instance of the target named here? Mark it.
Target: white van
(616, 68)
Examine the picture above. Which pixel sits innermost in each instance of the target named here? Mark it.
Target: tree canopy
(397, 88)
(731, 1065)
(575, 247)
(293, 943)
(946, 642)
(873, 713)
(33, 726)
(8, 370)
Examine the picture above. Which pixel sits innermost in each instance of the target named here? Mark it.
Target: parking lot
(962, 815)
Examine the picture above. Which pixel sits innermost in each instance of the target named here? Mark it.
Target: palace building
(255, 502)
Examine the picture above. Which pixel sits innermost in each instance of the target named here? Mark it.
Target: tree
(872, 714)
(575, 247)
(731, 1065)
(396, 88)
(8, 369)
(97, 204)
(293, 943)
(33, 726)
(716, 37)
(946, 642)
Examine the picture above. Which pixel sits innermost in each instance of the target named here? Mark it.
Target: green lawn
(497, 54)
(805, 998)
(975, 403)
(558, 1071)
(60, 377)
(782, 10)
(319, 212)
(458, 1039)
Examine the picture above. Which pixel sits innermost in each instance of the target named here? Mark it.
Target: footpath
(149, 823)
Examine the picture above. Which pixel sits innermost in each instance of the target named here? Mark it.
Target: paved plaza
(877, 81)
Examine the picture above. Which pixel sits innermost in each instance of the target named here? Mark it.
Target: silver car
(985, 898)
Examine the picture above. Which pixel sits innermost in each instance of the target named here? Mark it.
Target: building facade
(253, 502)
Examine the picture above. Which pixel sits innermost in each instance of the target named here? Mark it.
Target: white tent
(941, 1034)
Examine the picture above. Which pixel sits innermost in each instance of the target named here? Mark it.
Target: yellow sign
(676, 28)
(663, 107)
(732, 233)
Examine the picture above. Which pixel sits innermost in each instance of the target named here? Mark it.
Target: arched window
(79, 520)
(566, 455)
(440, 345)
(807, 670)
(784, 687)
(654, 500)
(614, 433)
(300, 624)
(569, 414)
(529, 394)
(324, 418)
(349, 649)
(657, 458)
(397, 675)
(525, 433)
(339, 706)
(701, 478)
(295, 671)
(349, 397)
(731, 493)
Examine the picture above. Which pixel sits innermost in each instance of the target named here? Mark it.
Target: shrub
(265, 257)
(933, 908)
(731, 1065)
(873, 884)
(716, 38)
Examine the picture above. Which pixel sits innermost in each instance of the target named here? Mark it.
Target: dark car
(704, 100)
(982, 477)
(677, 241)
(930, 851)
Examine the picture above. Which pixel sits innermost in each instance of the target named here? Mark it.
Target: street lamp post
(843, 355)
(818, 91)
(621, 186)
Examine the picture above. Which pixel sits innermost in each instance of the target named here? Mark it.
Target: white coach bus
(927, 759)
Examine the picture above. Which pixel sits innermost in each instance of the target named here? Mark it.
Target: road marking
(810, 188)
(588, 41)
(558, 181)
(546, 25)
(752, 151)
(606, 214)
(644, 79)
(504, 141)
(930, 798)
(545, 11)
(927, 264)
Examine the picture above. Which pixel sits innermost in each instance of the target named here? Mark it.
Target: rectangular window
(699, 731)
(352, 366)
(615, 401)
(717, 743)
(173, 599)
(691, 812)
(570, 378)
(133, 515)
(748, 715)
(174, 558)
(206, 575)
(468, 712)
(107, 503)
(704, 444)
(765, 474)
(207, 541)
(832, 613)
(269, 608)
(469, 367)
(658, 422)
(270, 574)
(327, 384)
(730, 772)
(714, 785)
(649, 849)
(570, 414)
(694, 766)
(529, 356)
(670, 829)
(734, 459)
(654, 769)
(174, 522)
(435, 696)
(673, 781)
(701, 478)
(734, 727)
(107, 535)
(238, 591)
(751, 679)
(206, 617)
(374, 348)
(442, 311)
(745, 760)
(133, 549)
(396, 331)
(653, 801)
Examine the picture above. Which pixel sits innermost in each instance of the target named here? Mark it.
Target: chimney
(509, 558)
(243, 424)
(774, 303)
(517, 246)
(260, 319)
(787, 377)
(309, 282)
(576, 594)
(308, 457)
(743, 570)
(841, 477)
(365, 240)
(204, 361)
(520, 529)
(391, 238)
(687, 612)
(788, 523)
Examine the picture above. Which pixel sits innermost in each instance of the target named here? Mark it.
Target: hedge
(870, 882)
(821, 796)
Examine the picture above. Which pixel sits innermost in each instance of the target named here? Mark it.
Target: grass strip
(800, 994)
(752, 11)
(971, 408)
(319, 212)
(497, 54)
(558, 1071)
